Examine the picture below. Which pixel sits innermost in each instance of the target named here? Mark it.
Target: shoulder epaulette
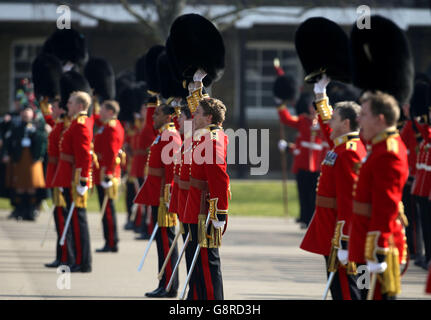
(214, 135)
(112, 123)
(81, 119)
(351, 145)
(392, 145)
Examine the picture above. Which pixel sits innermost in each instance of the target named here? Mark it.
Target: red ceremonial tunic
(108, 142)
(422, 185)
(208, 169)
(408, 135)
(160, 166)
(378, 192)
(308, 151)
(184, 178)
(143, 142)
(75, 148)
(53, 151)
(173, 203)
(334, 193)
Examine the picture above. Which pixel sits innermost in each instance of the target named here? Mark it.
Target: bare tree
(155, 17)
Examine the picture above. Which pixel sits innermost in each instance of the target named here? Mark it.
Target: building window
(260, 75)
(23, 55)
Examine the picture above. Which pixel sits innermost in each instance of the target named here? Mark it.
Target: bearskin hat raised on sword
(323, 47)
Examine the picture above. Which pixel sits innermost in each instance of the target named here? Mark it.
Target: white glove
(68, 66)
(376, 267)
(320, 86)
(278, 101)
(218, 224)
(199, 75)
(81, 190)
(25, 142)
(106, 185)
(282, 145)
(342, 256)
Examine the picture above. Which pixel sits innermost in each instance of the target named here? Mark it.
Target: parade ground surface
(260, 259)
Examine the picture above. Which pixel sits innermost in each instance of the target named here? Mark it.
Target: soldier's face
(336, 125)
(339, 126)
(56, 110)
(105, 114)
(72, 106)
(370, 124)
(159, 118)
(200, 120)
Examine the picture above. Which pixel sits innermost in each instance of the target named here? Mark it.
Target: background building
(255, 32)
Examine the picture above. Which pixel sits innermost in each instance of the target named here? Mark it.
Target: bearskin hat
(72, 81)
(151, 76)
(46, 73)
(140, 69)
(131, 99)
(194, 42)
(168, 86)
(101, 78)
(67, 45)
(323, 47)
(285, 87)
(382, 59)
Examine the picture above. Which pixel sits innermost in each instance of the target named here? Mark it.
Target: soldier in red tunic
(73, 174)
(64, 254)
(181, 185)
(411, 136)
(307, 152)
(329, 228)
(208, 195)
(375, 226)
(144, 141)
(108, 142)
(156, 190)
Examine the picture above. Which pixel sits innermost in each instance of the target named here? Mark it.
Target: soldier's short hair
(83, 98)
(214, 107)
(349, 110)
(383, 103)
(185, 109)
(113, 106)
(167, 109)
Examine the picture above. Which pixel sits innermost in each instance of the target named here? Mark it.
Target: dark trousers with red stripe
(410, 212)
(306, 184)
(425, 214)
(206, 282)
(64, 253)
(109, 220)
(130, 196)
(80, 233)
(140, 222)
(344, 286)
(186, 256)
(164, 239)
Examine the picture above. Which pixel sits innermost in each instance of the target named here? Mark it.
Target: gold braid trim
(57, 198)
(80, 201)
(324, 109)
(211, 240)
(164, 217)
(332, 260)
(391, 278)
